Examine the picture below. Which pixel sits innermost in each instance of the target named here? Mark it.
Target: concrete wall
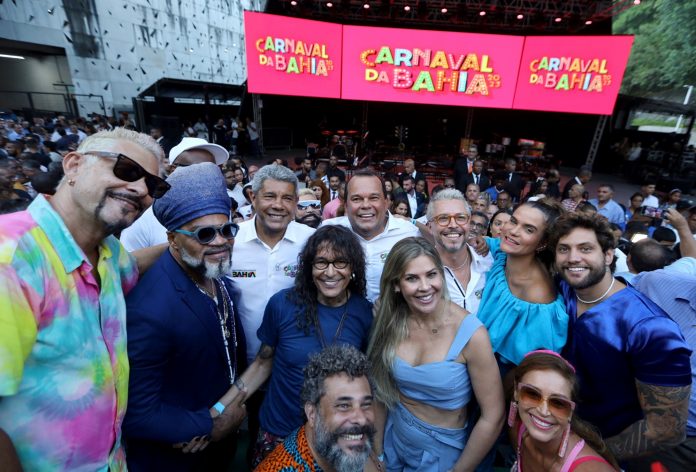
(117, 48)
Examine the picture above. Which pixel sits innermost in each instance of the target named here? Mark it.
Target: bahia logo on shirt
(290, 270)
(243, 274)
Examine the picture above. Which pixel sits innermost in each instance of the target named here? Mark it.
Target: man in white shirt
(264, 258)
(377, 230)
(465, 270)
(147, 231)
(649, 199)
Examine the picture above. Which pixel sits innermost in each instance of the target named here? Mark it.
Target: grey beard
(326, 444)
(206, 269)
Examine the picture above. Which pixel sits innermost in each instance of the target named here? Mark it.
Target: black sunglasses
(128, 170)
(207, 234)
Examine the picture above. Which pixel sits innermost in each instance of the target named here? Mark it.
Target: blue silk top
(625, 338)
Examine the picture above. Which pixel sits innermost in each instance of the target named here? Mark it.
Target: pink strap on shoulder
(569, 462)
(582, 460)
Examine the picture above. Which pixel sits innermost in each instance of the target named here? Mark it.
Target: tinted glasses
(128, 170)
(559, 406)
(309, 205)
(207, 234)
(443, 220)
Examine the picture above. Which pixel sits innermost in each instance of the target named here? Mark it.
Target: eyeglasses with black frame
(559, 406)
(207, 234)
(128, 170)
(459, 218)
(323, 264)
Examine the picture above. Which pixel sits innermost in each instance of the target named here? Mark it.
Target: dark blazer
(484, 182)
(178, 367)
(419, 176)
(515, 186)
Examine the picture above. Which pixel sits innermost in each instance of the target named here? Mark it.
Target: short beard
(311, 219)
(116, 227)
(326, 444)
(203, 268)
(593, 278)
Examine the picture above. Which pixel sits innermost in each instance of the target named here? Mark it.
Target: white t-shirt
(146, 231)
(260, 271)
(651, 201)
(377, 248)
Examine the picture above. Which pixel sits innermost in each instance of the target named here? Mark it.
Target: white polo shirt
(146, 231)
(260, 271)
(469, 297)
(377, 248)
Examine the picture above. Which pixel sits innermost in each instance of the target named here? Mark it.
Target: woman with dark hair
(635, 203)
(326, 306)
(498, 220)
(320, 191)
(400, 206)
(520, 306)
(543, 424)
(429, 358)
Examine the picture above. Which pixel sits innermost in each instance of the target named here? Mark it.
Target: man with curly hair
(338, 434)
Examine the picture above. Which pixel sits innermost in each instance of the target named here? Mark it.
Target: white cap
(219, 153)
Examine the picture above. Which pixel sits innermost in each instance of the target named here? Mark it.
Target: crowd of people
(153, 302)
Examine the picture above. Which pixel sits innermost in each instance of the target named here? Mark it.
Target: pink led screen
(430, 67)
(572, 74)
(289, 56)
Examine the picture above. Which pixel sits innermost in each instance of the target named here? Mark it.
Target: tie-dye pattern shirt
(63, 359)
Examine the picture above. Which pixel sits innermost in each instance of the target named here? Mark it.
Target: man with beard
(631, 358)
(185, 341)
(147, 231)
(63, 275)
(338, 404)
(308, 209)
(465, 270)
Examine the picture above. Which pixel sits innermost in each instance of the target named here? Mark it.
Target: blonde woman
(429, 357)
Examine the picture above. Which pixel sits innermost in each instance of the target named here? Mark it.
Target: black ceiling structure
(525, 17)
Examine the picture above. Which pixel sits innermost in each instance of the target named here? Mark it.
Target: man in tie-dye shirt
(63, 360)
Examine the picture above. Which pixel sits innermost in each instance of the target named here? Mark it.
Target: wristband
(219, 407)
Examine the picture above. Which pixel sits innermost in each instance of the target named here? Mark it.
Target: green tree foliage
(662, 58)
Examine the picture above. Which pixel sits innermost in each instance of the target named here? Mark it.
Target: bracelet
(239, 383)
(219, 407)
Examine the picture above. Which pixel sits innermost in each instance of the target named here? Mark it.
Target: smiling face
(542, 423)
(275, 206)
(210, 260)
(341, 427)
(451, 238)
(524, 232)
(366, 206)
(331, 282)
(101, 196)
(402, 209)
(580, 260)
(421, 285)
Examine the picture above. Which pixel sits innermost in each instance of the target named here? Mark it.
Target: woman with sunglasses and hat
(326, 306)
(545, 431)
